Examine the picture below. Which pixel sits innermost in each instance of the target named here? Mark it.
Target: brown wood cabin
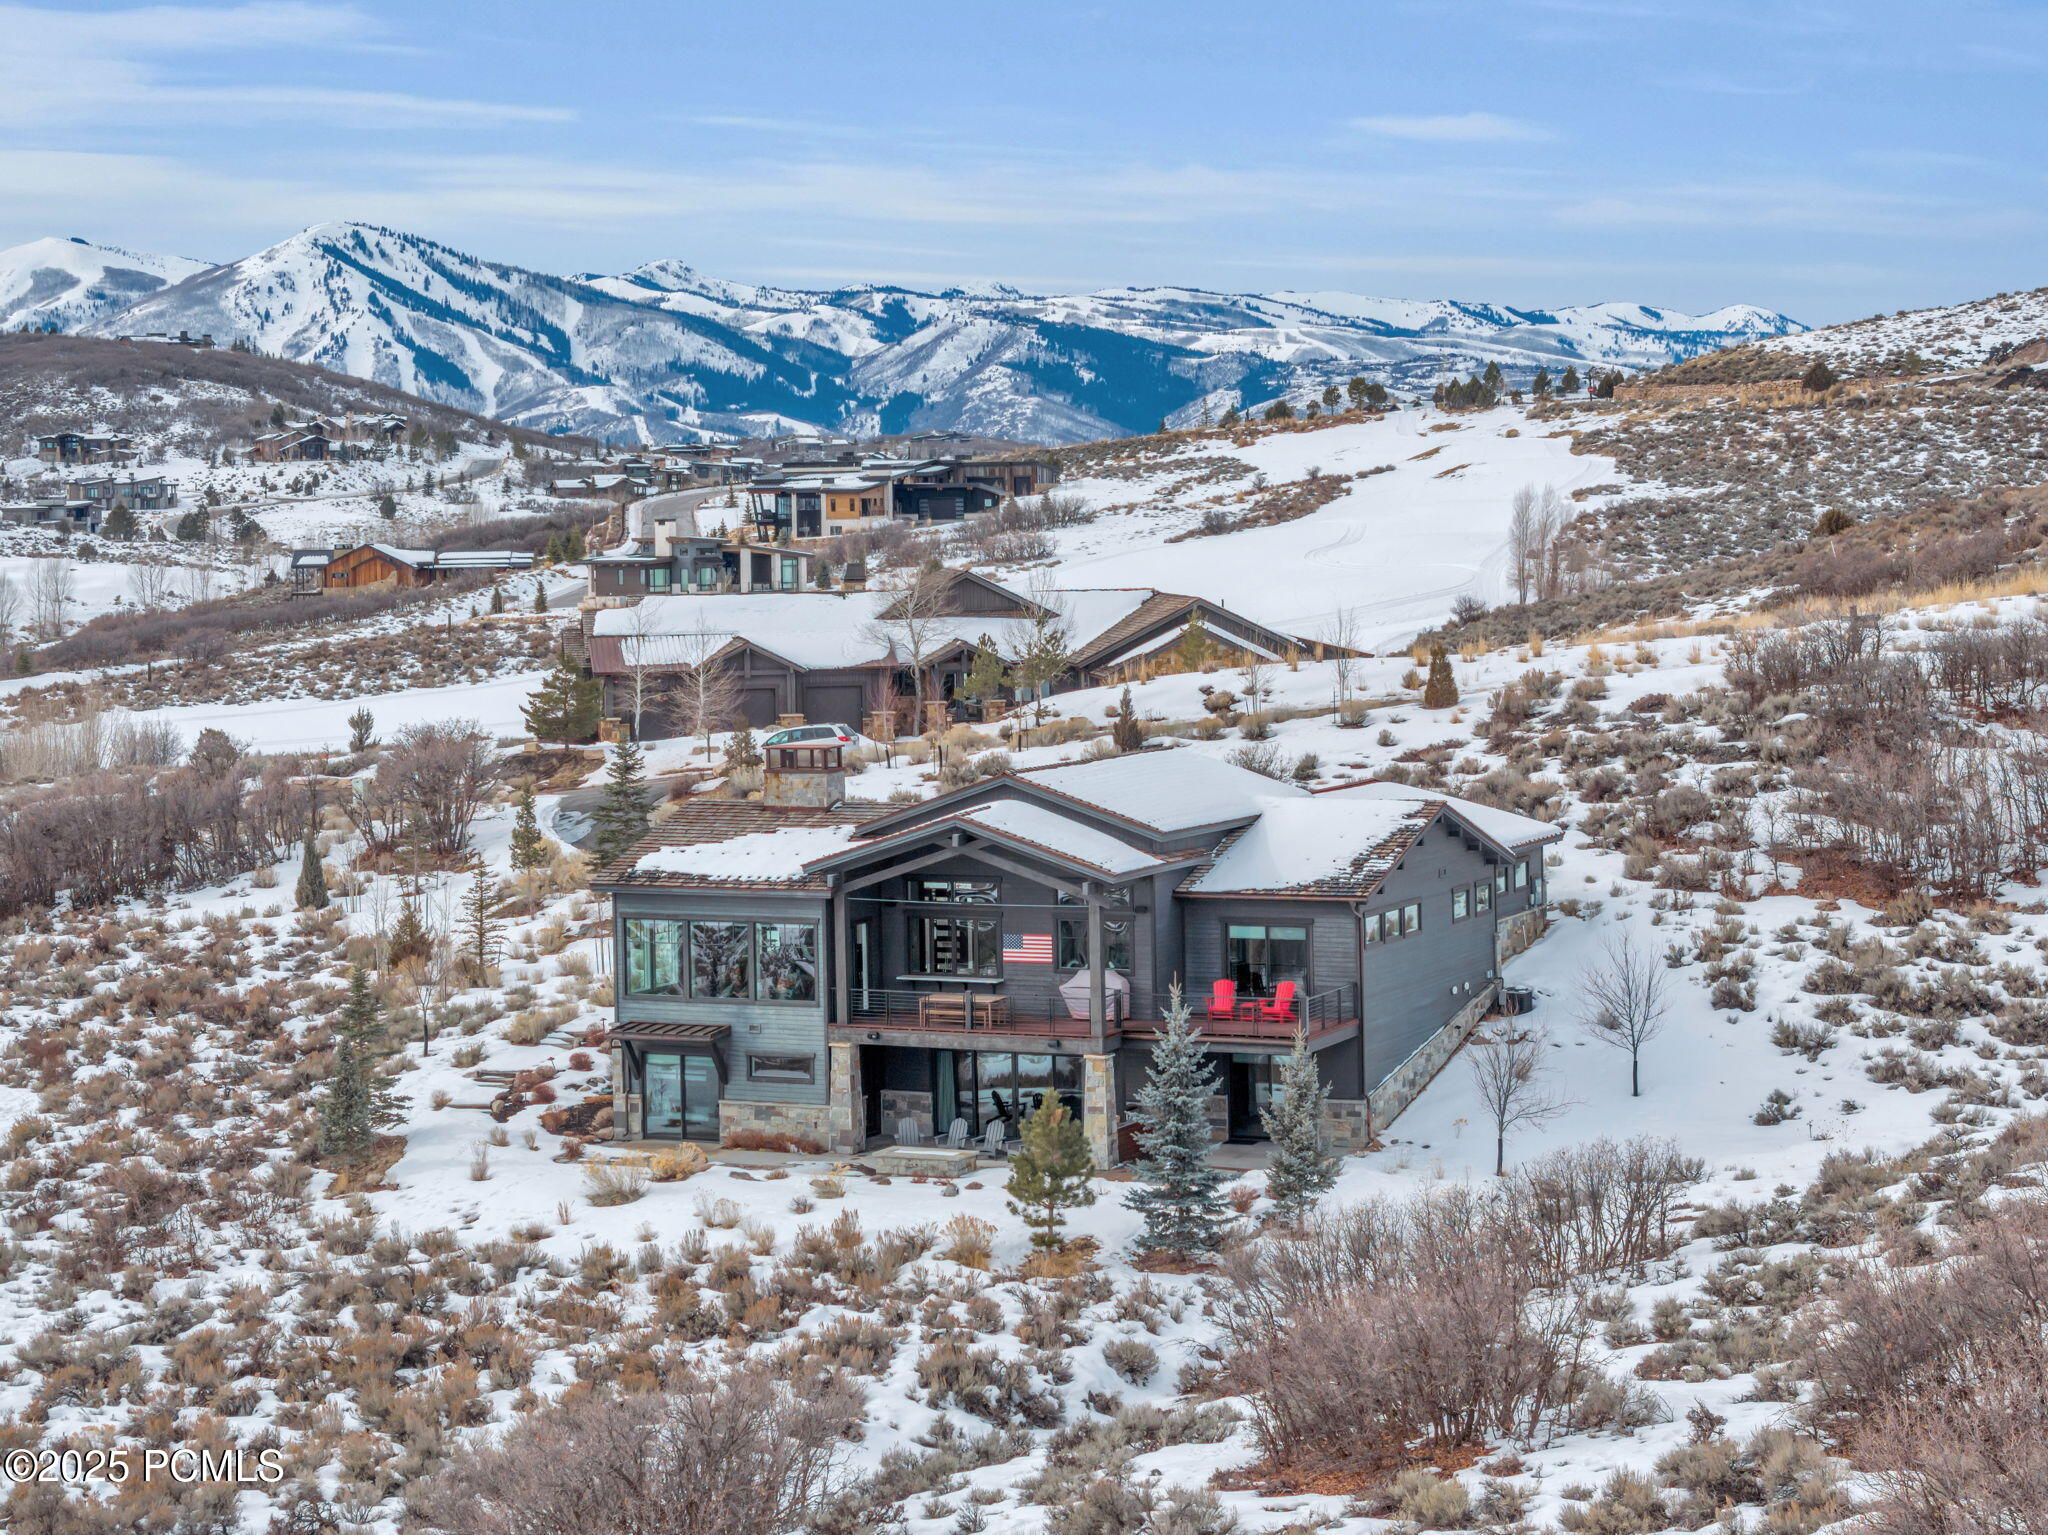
(373, 565)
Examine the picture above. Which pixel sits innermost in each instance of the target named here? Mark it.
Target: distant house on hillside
(862, 974)
(85, 448)
(668, 562)
(374, 565)
(138, 492)
(294, 445)
(822, 500)
(165, 338)
(843, 656)
(612, 486)
(51, 512)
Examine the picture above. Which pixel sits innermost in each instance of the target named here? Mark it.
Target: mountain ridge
(667, 352)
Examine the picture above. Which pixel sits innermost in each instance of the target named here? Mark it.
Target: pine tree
(1279, 410)
(987, 679)
(387, 507)
(529, 845)
(312, 891)
(1441, 690)
(1819, 378)
(358, 1102)
(621, 817)
(1125, 733)
(1355, 388)
(1182, 1199)
(540, 596)
(120, 523)
(741, 753)
(1049, 1172)
(1303, 1168)
(565, 707)
(410, 939)
(1230, 417)
(497, 598)
(1541, 383)
(1196, 648)
(1569, 384)
(479, 927)
(362, 730)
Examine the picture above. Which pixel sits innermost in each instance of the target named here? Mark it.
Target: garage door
(834, 705)
(758, 706)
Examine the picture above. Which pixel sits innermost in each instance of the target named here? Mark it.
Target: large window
(788, 961)
(727, 961)
(956, 946)
(1116, 945)
(721, 959)
(782, 1068)
(1461, 905)
(654, 957)
(1259, 958)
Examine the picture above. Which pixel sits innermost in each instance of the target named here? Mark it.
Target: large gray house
(827, 970)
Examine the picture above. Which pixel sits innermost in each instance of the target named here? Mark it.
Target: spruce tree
(410, 939)
(312, 891)
(1303, 1168)
(1049, 1173)
(540, 596)
(565, 707)
(479, 927)
(1181, 1198)
(362, 731)
(387, 507)
(1196, 648)
(120, 523)
(987, 678)
(358, 1101)
(529, 844)
(1441, 690)
(621, 817)
(741, 753)
(1569, 384)
(497, 598)
(1125, 733)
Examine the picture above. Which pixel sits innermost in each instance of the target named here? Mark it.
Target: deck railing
(980, 1010)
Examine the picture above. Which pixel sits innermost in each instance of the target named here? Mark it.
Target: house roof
(734, 844)
(1311, 846)
(1022, 824)
(1168, 791)
(1505, 827)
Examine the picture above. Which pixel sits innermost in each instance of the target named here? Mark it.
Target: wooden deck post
(1097, 1025)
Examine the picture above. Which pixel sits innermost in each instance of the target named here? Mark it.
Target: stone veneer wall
(813, 1121)
(846, 1112)
(1098, 1107)
(1513, 934)
(900, 1104)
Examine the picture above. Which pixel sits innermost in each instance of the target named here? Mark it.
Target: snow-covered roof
(1314, 845)
(754, 857)
(1169, 791)
(1503, 826)
(1061, 834)
(739, 843)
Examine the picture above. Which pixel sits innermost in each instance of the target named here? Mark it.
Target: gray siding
(770, 1028)
(1332, 938)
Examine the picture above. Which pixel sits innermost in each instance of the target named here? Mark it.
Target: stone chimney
(809, 776)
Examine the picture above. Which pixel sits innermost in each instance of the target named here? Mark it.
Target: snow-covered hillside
(664, 351)
(1952, 336)
(54, 284)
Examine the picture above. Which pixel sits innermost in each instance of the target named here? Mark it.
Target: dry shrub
(770, 1140)
(673, 1164)
(969, 1239)
(615, 1183)
(730, 1456)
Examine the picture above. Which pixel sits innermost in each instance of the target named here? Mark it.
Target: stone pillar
(847, 1111)
(622, 1103)
(1098, 1107)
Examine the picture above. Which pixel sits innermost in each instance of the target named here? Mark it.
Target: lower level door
(1248, 1090)
(682, 1097)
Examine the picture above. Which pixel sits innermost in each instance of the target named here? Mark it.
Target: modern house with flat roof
(852, 975)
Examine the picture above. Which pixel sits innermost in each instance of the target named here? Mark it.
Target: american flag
(1027, 948)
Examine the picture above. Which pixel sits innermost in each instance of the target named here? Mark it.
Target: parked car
(813, 735)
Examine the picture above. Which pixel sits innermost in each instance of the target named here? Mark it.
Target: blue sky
(1829, 160)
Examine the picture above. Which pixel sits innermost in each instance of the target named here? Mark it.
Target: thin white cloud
(1454, 128)
(113, 67)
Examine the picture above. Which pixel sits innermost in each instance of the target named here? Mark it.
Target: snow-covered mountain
(1951, 336)
(665, 352)
(54, 284)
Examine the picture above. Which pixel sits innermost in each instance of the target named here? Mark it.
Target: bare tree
(1624, 1002)
(10, 606)
(50, 595)
(643, 676)
(911, 626)
(1535, 524)
(1340, 632)
(1509, 1070)
(704, 694)
(149, 580)
(439, 774)
(1041, 645)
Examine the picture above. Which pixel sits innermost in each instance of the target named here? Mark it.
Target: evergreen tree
(1049, 1172)
(1279, 410)
(1303, 1168)
(120, 523)
(312, 891)
(1356, 388)
(1196, 647)
(565, 707)
(362, 730)
(410, 939)
(540, 596)
(1230, 417)
(497, 598)
(1541, 384)
(1124, 730)
(741, 754)
(191, 527)
(1569, 384)
(621, 817)
(1819, 378)
(387, 508)
(1441, 690)
(358, 1102)
(479, 927)
(1330, 397)
(1491, 378)
(1182, 1198)
(572, 546)
(554, 552)
(529, 843)
(987, 679)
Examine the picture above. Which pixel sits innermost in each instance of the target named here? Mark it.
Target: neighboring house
(610, 487)
(370, 565)
(384, 430)
(308, 571)
(830, 971)
(825, 500)
(76, 516)
(182, 338)
(139, 492)
(294, 445)
(846, 656)
(84, 448)
(668, 561)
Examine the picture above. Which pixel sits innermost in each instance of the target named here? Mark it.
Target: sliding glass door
(681, 1097)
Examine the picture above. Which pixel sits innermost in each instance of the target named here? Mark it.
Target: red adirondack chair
(1281, 1008)
(1223, 1000)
